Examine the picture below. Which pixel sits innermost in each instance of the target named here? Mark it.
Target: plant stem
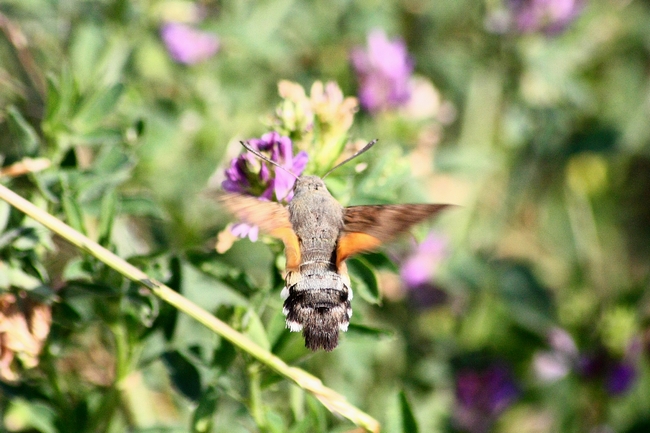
(255, 393)
(334, 401)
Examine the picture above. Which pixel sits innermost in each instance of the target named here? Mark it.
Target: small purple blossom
(561, 341)
(418, 269)
(616, 375)
(243, 230)
(554, 364)
(482, 395)
(188, 45)
(420, 266)
(248, 174)
(383, 71)
(551, 366)
(620, 378)
(549, 16)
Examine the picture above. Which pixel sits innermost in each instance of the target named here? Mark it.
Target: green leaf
(140, 206)
(364, 275)
(107, 217)
(169, 315)
(95, 109)
(183, 374)
(363, 330)
(254, 329)
(202, 419)
(529, 303)
(61, 96)
(75, 270)
(379, 260)
(144, 307)
(20, 279)
(409, 423)
(53, 102)
(111, 159)
(24, 415)
(72, 212)
(25, 237)
(105, 136)
(22, 133)
(85, 48)
(274, 422)
(224, 355)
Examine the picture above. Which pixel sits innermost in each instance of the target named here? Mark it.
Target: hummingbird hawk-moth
(319, 235)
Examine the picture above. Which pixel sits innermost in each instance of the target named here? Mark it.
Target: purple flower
(482, 395)
(549, 16)
(243, 230)
(554, 364)
(418, 270)
(620, 378)
(383, 71)
(616, 375)
(188, 45)
(420, 266)
(250, 175)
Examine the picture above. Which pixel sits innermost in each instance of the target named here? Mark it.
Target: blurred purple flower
(243, 230)
(561, 341)
(554, 364)
(620, 378)
(250, 175)
(188, 45)
(420, 266)
(617, 375)
(549, 16)
(482, 395)
(383, 71)
(418, 269)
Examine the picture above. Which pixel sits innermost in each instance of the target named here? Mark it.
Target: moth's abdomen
(318, 304)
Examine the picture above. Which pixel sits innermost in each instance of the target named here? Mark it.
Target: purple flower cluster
(482, 395)
(616, 375)
(383, 71)
(188, 45)
(549, 16)
(250, 175)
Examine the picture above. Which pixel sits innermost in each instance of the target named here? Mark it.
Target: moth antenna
(365, 148)
(264, 158)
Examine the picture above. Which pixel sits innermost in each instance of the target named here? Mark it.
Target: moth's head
(309, 184)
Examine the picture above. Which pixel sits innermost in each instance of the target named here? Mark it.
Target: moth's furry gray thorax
(317, 220)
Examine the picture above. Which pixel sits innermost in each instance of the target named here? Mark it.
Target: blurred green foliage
(545, 144)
